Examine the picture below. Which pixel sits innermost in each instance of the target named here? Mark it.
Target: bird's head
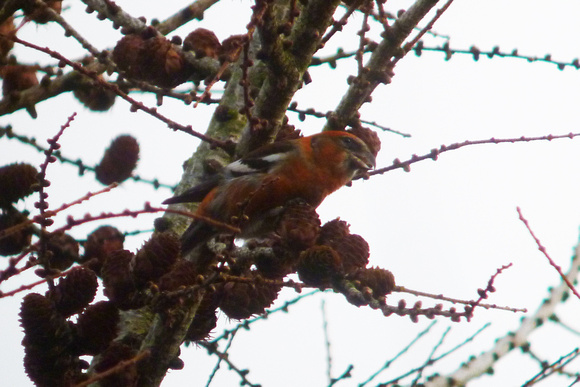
(353, 154)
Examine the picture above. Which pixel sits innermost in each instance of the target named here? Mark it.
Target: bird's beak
(366, 160)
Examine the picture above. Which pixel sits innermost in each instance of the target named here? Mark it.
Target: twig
(246, 323)
(567, 327)
(217, 366)
(195, 10)
(403, 289)
(326, 342)
(48, 214)
(337, 25)
(113, 370)
(8, 131)
(68, 29)
(398, 355)
(379, 66)
(409, 45)
(313, 113)
(434, 360)
(212, 350)
(543, 250)
(434, 154)
(42, 204)
(556, 366)
(345, 375)
(147, 209)
(135, 105)
(476, 53)
(430, 360)
(53, 275)
(482, 363)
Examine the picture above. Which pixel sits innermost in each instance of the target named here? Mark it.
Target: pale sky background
(445, 227)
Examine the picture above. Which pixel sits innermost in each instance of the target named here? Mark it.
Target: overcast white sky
(445, 227)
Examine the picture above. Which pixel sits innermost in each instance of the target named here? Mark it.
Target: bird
(254, 189)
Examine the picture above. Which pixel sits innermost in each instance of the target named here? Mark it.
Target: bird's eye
(349, 142)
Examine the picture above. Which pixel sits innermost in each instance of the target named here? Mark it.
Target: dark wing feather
(196, 193)
(260, 160)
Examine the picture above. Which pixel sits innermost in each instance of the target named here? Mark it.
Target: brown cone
(205, 318)
(97, 326)
(183, 273)
(231, 48)
(39, 14)
(353, 251)
(242, 300)
(17, 241)
(380, 281)
(17, 78)
(64, 251)
(333, 230)
(16, 182)
(318, 266)
(47, 336)
(74, 292)
(299, 226)
(118, 280)
(115, 353)
(369, 137)
(119, 160)
(151, 58)
(156, 257)
(94, 96)
(99, 244)
(203, 42)
(6, 29)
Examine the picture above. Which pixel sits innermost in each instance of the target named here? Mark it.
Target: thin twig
(246, 323)
(399, 354)
(242, 373)
(430, 360)
(134, 104)
(543, 250)
(82, 168)
(403, 289)
(556, 366)
(409, 45)
(434, 154)
(326, 342)
(217, 366)
(113, 370)
(434, 360)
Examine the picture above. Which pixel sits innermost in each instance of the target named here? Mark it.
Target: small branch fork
(543, 250)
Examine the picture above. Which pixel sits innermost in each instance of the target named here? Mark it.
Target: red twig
(543, 250)
(135, 105)
(117, 368)
(490, 288)
(434, 154)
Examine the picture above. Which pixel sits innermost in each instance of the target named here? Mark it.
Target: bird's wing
(195, 193)
(261, 160)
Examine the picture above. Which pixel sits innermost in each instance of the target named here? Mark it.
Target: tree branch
(513, 340)
(285, 68)
(377, 70)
